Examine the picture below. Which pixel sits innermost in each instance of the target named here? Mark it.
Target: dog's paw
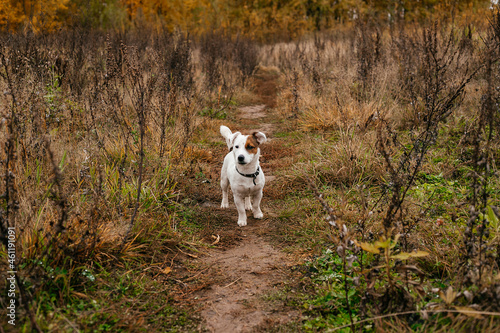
(258, 215)
(242, 223)
(224, 204)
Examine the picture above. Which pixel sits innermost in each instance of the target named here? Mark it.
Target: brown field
(381, 206)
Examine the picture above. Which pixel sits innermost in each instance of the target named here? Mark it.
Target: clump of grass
(331, 114)
(346, 160)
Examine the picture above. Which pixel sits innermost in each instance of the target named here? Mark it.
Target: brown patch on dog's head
(252, 145)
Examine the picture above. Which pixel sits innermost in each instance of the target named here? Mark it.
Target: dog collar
(250, 175)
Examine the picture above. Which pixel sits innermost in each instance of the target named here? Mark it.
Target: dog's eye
(250, 147)
(236, 147)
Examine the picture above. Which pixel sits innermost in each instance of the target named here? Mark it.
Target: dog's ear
(260, 137)
(232, 137)
(228, 135)
(225, 131)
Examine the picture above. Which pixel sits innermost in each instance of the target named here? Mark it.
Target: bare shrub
(214, 52)
(434, 69)
(246, 56)
(481, 244)
(368, 55)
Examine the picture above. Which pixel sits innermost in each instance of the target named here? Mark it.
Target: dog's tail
(228, 135)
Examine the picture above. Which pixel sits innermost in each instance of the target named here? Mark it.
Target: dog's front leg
(257, 213)
(240, 206)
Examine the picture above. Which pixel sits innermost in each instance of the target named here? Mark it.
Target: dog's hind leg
(257, 213)
(248, 203)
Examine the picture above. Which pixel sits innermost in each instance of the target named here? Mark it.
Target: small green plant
(329, 308)
(213, 113)
(385, 246)
(52, 97)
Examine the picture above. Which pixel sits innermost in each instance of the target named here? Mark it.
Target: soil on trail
(243, 278)
(248, 272)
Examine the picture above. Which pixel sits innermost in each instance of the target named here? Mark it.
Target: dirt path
(249, 272)
(245, 276)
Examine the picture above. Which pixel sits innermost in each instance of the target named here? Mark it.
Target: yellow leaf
(369, 248)
(407, 255)
(81, 295)
(383, 244)
(469, 312)
(449, 297)
(402, 256)
(166, 270)
(396, 239)
(419, 254)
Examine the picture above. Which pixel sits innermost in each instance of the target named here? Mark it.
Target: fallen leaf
(79, 294)
(469, 312)
(450, 295)
(408, 255)
(419, 254)
(217, 239)
(401, 256)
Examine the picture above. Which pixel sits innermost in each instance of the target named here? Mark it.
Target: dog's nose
(241, 158)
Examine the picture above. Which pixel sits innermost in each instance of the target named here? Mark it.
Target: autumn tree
(38, 15)
(260, 19)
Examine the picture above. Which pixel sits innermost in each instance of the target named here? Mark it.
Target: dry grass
(336, 122)
(334, 114)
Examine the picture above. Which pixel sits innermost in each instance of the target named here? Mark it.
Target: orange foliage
(37, 15)
(186, 15)
(260, 19)
(11, 14)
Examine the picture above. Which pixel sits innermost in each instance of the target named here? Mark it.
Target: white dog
(241, 170)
